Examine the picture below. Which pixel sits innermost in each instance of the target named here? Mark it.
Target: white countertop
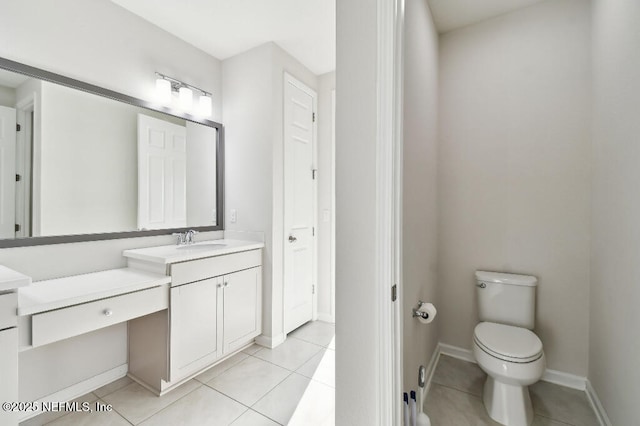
(199, 250)
(47, 295)
(10, 279)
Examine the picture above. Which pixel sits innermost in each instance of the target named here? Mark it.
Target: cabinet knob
(219, 285)
(226, 283)
(107, 312)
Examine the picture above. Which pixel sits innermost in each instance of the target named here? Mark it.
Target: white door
(299, 203)
(162, 178)
(7, 172)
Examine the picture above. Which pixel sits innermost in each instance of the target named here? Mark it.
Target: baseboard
(270, 342)
(456, 352)
(597, 406)
(551, 376)
(431, 369)
(326, 318)
(564, 379)
(79, 389)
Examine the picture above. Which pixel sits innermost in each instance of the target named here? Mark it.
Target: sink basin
(203, 246)
(173, 253)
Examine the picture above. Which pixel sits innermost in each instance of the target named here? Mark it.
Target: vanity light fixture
(165, 85)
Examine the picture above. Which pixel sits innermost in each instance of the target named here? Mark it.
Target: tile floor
(455, 399)
(292, 384)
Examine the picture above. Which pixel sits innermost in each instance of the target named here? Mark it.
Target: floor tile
(203, 406)
(252, 349)
(317, 406)
(251, 418)
(282, 401)
(249, 380)
(322, 368)
(50, 416)
(136, 403)
(112, 387)
(562, 404)
(447, 406)
(214, 372)
(461, 375)
(106, 418)
(317, 332)
(332, 345)
(292, 354)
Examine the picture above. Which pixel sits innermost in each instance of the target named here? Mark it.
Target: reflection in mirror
(79, 163)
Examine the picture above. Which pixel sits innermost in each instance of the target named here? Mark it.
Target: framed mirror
(83, 163)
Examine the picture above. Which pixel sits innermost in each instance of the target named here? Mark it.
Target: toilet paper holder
(418, 313)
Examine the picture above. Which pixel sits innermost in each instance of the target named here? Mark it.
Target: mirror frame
(33, 72)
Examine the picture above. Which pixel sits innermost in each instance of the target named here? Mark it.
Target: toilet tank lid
(499, 277)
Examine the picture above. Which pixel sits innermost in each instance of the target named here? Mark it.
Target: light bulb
(206, 108)
(185, 98)
(163, 90)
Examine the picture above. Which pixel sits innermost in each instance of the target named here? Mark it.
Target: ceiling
(451, 14)
(306, 29)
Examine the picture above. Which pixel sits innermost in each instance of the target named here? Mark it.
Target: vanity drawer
(62, 323)
(200, 269)
(8, 310)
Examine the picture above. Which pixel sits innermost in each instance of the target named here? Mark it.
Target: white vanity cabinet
(10, 282)
(8, 356)
(212, 318)
(215, 309)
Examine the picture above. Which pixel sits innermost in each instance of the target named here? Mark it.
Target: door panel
(9, 373)
(194, 327)
(299, 204)
(242, 308)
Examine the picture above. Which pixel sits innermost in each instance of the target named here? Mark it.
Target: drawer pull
(108, 312)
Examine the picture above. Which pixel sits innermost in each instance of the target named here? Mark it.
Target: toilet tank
(506, 298)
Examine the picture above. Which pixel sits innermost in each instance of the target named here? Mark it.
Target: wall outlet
(234, 216)
(326, 215)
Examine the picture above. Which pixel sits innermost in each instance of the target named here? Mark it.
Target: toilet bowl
(513, 359)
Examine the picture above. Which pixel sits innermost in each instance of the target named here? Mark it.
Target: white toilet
(505, 347)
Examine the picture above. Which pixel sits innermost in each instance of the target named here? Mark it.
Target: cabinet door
(194, 327)
(242, 308)
(9, 373)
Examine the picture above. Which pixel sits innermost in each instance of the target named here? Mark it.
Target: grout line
(169, 405)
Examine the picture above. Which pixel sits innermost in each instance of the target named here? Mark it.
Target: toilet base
(509, 405)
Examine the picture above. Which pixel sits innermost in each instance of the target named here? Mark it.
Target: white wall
(248, 119)
(514, 164)
(88, 165)
(420, 145)
(254, 173)
(201, 177)
(357, 361)
(7, 96)
(614, 346)
(326, 262)
(105, 45)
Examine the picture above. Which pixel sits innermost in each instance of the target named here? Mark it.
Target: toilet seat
(508, 343)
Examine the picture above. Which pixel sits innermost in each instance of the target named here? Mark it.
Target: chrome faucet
(189, 236)
(185, 238)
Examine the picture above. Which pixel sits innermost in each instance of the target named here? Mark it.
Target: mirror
(80, 163)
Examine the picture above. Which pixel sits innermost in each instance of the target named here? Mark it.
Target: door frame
(389, 140)
(25, 150)
(289, 78)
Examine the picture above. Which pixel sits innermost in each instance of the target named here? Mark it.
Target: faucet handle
(182, 237)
